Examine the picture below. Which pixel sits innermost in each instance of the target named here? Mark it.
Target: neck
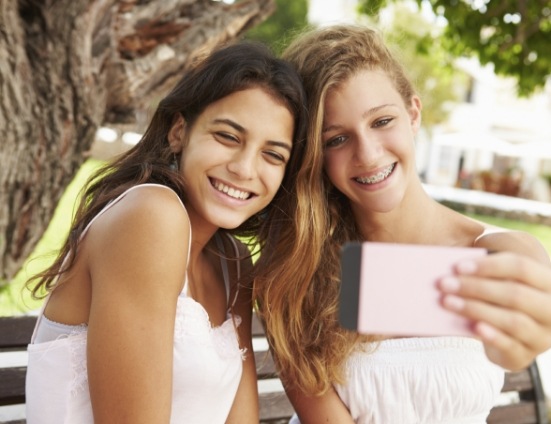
(411, 222)
(201, 234)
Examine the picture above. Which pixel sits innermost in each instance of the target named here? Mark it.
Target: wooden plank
(257, 328)
(265, 367)
(518, 413)
(518, 381)
(16, 332)
(537, 394)
(275, 406)
(12, 385)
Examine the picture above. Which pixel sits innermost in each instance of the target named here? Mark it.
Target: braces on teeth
(377, 177)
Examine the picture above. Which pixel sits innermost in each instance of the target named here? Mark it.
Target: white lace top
(207, 368)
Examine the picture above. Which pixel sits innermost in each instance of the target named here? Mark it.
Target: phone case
(390, 289)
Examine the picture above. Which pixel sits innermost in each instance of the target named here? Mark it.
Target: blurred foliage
(289, 18)
(417, 42)
(513, 35)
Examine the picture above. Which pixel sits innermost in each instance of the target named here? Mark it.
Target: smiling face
(234, 157)
(368, 137)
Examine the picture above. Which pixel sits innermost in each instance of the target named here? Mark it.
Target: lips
(378, 177)
(231, 191)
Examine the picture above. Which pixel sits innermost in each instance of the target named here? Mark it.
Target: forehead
(362, 91)
(245, 100)
(253, 111)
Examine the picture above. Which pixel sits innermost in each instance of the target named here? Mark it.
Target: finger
(504, 293)
(517, 325)
(502, 349)
(509, 266)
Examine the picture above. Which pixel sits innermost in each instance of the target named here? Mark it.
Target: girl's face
(368, 136)
(234, 156)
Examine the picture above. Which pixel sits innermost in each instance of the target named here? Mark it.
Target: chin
(230, 224)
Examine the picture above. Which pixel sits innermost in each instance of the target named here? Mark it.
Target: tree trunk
(70, 66)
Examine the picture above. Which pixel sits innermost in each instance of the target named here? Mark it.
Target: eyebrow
(231, 123)
(365, 114)
(242, 130)
(280, 144)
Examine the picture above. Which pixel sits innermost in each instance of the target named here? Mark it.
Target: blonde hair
(298, 303)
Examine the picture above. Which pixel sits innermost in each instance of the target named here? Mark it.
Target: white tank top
(207, 367)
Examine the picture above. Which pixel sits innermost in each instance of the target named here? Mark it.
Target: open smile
(378, 177)
(231, 191)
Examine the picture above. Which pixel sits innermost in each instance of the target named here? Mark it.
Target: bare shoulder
(142, 238)
(144, 205)
(504, 240)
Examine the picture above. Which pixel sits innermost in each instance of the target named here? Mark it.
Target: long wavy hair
(298, 296)
(226, 70)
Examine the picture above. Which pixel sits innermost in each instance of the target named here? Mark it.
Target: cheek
(333, 167)
(275, 180)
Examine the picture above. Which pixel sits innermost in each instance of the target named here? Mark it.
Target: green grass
(540, 231)
(14, 298)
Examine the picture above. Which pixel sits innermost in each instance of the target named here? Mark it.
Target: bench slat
(12, 385)
(15, 332)
(265, 367)
(274, 407)
(519, 413)
(518, 381)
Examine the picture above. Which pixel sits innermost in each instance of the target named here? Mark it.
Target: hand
(508, 298)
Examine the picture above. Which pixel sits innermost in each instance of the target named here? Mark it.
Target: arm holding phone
(502, 298)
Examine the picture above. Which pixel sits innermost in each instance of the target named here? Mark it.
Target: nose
(243, 164)
(367, 150)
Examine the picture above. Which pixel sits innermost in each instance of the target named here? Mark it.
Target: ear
(415, 113)
(176, 134)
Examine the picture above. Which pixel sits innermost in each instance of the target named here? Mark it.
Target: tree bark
(69, 66)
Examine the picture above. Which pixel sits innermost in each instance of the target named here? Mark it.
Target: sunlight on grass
(14, 298)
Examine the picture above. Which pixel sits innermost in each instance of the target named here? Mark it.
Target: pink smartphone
(390, 289)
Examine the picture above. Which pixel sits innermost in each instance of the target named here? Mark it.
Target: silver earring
(174, 164)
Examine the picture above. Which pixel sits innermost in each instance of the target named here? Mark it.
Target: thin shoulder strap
(488, 231)
(238, 265)
(224, 264)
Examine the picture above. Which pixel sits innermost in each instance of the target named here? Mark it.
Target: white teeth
(378, 177)
(230, 191)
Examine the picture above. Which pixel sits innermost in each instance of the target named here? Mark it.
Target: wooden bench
(523, 390)
(15, 334)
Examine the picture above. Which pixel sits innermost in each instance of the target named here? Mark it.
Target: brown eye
(275, 156)
(227, 137)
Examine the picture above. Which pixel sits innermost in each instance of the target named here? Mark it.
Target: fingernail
(450, 284)
(454, 303)
(467, 267)
(486, 331)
